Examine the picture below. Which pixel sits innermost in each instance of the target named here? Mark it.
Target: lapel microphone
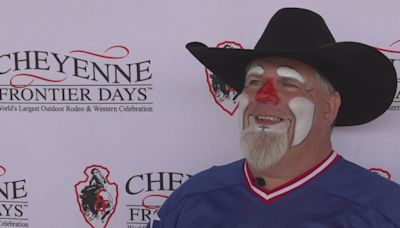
(259, 181)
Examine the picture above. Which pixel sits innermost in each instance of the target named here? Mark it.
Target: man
(295, 86)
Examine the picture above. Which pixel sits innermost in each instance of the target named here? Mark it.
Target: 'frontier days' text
(66, 94)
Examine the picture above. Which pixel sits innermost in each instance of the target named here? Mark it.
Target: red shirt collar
(269, 195)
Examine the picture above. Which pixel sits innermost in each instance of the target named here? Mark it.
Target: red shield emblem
(2, 170)
(223, 95)
(97, 197)
(381, 172)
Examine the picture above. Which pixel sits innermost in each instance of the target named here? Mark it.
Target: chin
(263, 149)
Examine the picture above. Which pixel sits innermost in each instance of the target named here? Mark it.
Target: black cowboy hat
(364, 77)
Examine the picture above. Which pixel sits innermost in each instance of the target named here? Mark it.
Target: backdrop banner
(104, 112)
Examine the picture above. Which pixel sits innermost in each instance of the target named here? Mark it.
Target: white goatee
(263, 149)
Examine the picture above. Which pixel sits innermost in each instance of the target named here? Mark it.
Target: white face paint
(243, 98)
(275, 128)
(243, 102)
(255, 70)
(288, 72)
(303, 110)
(252, 125)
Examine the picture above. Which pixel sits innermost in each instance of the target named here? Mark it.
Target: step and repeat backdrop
(104, 112)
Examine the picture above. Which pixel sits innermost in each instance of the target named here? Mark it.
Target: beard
(263, 149)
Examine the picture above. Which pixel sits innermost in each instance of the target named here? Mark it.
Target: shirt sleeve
(164, 220)
(167, 216)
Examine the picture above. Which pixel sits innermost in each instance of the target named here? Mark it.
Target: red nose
(267, 93)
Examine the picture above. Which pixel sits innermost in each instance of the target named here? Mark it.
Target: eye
(289, 85)
(253, 81)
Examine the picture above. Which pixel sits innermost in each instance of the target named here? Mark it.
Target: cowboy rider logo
(97, 197)
(224, 95)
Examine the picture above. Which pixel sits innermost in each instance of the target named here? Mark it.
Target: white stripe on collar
(297, 183)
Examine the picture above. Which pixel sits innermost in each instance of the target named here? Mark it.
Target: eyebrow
(290, 72)
(256, 70)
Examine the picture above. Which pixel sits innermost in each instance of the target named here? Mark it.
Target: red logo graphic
(97, 197)
(381, 172)
(390, 50)
(223, 94)
(2, 170)
(156, 201)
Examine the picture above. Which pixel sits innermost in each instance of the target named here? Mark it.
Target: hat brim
(364, 77)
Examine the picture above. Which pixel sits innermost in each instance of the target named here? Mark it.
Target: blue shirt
(335, 193)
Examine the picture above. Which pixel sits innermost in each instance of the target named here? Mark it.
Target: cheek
(303, 110)
(243, 103)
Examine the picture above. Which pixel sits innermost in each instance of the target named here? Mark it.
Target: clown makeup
(255, 70)
(303, 110)
(301, 107)
(276, 110)
(252, 125)
(243, 102)
(262, 146)
(289, 72)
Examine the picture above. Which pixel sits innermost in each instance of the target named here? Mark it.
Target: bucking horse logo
(97, 197)
(224, 95)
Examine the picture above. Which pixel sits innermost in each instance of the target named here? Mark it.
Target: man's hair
(326, 85)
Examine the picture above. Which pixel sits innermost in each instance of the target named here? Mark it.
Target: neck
(294, 163)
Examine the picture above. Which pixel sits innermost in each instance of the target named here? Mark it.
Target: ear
(332, 107)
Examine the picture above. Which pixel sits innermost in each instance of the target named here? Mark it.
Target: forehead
(272, 62)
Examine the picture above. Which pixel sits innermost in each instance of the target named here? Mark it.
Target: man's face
(280, 105)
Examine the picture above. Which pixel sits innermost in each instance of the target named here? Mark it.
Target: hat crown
(295, 29)
(354, 69)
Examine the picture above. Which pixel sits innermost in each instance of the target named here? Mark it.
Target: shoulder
(366, 181)
(212, 179)
(215, 177)
(355, 184)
